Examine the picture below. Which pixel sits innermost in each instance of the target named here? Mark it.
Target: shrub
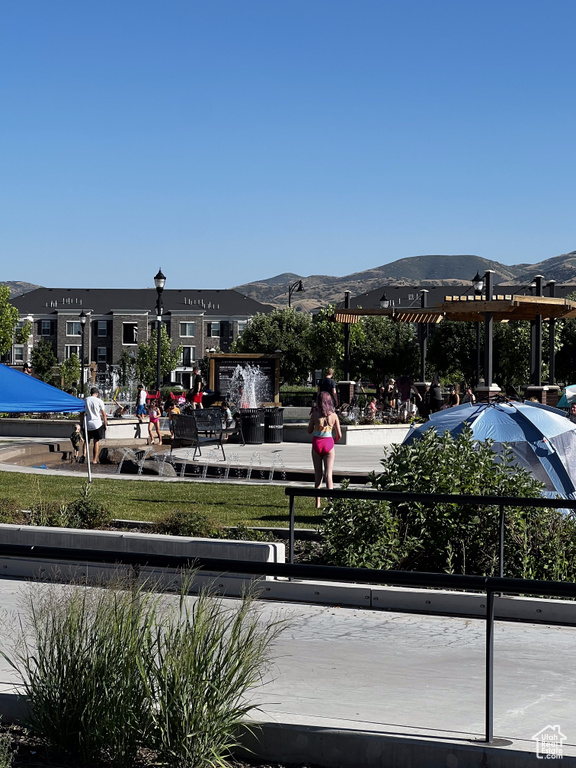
(180, 522)
(79, 665)
(84, 512)
(208, 657)
(88, 512)
(10, 511)
(6, 751)
(107, 672)
(539, 543)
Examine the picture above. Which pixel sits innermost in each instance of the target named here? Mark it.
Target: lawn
(224, 503)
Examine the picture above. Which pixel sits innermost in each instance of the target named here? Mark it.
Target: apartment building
(119, 319)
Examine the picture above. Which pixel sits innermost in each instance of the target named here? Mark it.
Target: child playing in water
(77, 441)
(154, 416)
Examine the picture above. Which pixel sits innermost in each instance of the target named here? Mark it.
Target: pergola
(500, 308)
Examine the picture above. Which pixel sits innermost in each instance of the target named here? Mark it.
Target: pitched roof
(101, 301)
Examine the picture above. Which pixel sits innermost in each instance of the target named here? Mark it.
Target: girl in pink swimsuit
(154, 415)
(322, 426)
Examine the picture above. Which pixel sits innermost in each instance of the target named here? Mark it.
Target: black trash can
(273, 424)
(252, 425)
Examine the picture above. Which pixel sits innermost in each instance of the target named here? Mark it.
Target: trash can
(252, 425)
(273, 424)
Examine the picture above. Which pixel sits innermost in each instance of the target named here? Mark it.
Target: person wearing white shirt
(96, 421)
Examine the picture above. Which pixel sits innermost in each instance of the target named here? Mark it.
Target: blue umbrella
(541, 438)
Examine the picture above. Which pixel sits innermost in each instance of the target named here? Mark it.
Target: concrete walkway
(415, 682)
(292, 456)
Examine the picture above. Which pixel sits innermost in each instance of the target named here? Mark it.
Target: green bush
(180, 522)
(6, 752)
(539, 543)
(84, 512)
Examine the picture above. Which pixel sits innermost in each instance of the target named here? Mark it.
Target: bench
(202, 428)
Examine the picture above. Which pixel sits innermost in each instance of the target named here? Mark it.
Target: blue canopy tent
(21, 393)
(541, 438)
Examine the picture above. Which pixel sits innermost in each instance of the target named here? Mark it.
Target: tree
(326, 341)
(283, 329)
(452, 351)
(8, 320)
(43, 360)
(146, 359)
(384, 347)
(23, 334)
(70, 371)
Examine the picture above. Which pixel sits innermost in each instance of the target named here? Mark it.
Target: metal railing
(491, 585)
(429, 499)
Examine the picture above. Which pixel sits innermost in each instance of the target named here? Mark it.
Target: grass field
(224, 503)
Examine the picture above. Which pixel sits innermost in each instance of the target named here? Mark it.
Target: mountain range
(320, 290)
(421, 271)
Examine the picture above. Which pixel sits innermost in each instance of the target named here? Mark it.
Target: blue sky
(228, 141)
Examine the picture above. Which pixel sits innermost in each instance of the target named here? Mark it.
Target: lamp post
(551, 337)
(83, 317)
(159, 282)
(423, 332)
(488, 333)
(536, 338)
(384, 301)
(478, 286)
(295, 286)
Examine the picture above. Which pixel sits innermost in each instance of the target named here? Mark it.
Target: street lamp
(159, 282)
(83, 317)
(296, 286)
(478, 286)
(384, 301)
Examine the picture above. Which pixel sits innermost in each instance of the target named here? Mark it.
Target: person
(172, 410)
(197, 388)
(572, 415)
(327, 384)
(453, 397)
(436, 396)
(154, 423)
(77, 440)
(469, 396)
(27, 369)
(372, 408)
(391, 393)
(227, 420)
(96, 421)
(324, 427)
(406, 387)
(140, 408)
(358, 388)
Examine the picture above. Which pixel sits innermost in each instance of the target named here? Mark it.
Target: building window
(129, 333)
(18, 353)
(73, 328)
(186, 329)
(242, 326)
(102, 328)
(188, 356)
(45, 327)
(101, 355)
(72, 349)
(213, 329)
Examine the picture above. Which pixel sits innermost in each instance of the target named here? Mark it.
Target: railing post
(501, 540)
(489, 666)
(291, 540)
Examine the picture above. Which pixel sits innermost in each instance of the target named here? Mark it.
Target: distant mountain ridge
(320, 290)
(18, 288)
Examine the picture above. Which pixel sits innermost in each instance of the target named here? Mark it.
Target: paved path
(295, 456)
(401, 674)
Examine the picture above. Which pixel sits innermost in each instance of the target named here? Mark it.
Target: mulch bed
(30, 753)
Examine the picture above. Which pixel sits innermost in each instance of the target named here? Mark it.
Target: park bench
(202, 428)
